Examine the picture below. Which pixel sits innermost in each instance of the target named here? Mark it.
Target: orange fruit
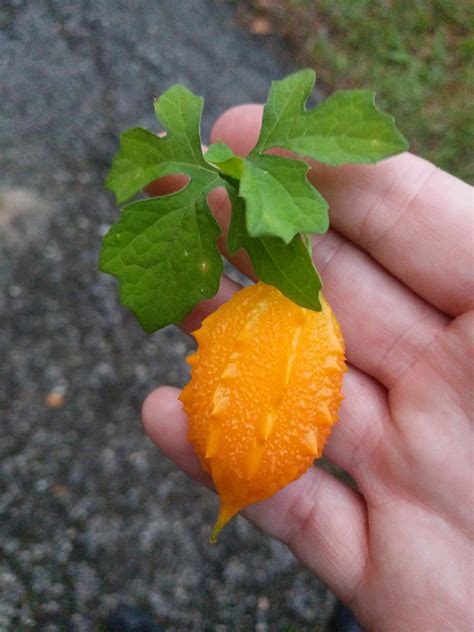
(264, 392)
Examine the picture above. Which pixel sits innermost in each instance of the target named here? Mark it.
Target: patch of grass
(418, 56)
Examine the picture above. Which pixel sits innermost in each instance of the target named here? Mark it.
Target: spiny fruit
(264, 393)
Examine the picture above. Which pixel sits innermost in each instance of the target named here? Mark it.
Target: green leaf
(144, 157)
(224, 158)
(164, 253)
(288, 267)
(347, 127)
(280, 201)
(163, 250)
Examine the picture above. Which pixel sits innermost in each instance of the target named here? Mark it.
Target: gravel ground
(92, 516)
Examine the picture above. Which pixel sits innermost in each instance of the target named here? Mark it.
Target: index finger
(413, 218)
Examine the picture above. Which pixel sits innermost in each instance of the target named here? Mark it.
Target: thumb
(239, 128)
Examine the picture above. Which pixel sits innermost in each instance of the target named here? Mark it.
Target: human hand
(397, 271)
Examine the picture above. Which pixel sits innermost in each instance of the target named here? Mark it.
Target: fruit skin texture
(264, 392)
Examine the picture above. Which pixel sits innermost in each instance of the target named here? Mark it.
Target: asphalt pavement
(92, 515)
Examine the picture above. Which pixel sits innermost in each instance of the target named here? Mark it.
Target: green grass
(418, 56)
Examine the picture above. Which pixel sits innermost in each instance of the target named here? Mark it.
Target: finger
(411, 217)
(239, 128)
(321, 519)
(362, 430)
(165, 423)
(221, 209)
(324, 523)
(386, 326)
(167, 184)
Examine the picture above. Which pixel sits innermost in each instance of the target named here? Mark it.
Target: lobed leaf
(163, 251)
(288, 267)
(347, 127)
(280, 201)
(144, 157)
(224, 158)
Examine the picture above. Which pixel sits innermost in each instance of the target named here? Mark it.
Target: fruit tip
(225, 514)
(213, 536)
(217, 528)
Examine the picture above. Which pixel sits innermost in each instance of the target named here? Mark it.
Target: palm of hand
(396, 272)
(415, 574)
